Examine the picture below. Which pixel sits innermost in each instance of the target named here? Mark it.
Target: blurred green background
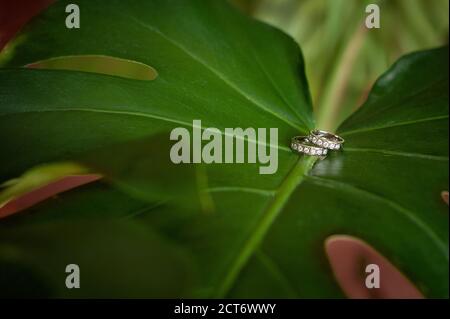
(343, 58)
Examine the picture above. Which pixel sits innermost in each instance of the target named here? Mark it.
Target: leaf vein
(374, 128)
(325, 182)
(215, 72)
(397, 153)
(152, 116)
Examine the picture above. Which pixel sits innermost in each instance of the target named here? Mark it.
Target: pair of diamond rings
(317, 143)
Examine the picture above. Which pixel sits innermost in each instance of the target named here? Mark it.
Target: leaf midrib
(248, 248)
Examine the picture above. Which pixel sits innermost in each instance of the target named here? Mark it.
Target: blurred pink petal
(349, 257)
(15, 14)
(32, 198)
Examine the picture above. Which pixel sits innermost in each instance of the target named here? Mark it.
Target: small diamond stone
(314, 139)
(319, 152)
(294, 146)
(325, 152)
(306, 150)
(313, 151)
(325, 144)
(319, 142)
(337, 146)
(300, 148)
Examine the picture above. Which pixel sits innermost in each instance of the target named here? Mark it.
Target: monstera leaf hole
(35, 196)
(99, 64)
(41, 183)
(349, 257)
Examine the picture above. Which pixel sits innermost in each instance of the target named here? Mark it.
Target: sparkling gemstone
(325, 144)
(306, 150)
(319, 142)
(319, 152)
(313, 151)
(325, 152)
(294, 146)
(337, 146)
(314, 139)
(300, 148)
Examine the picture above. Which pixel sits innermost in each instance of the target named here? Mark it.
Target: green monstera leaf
(264, 235)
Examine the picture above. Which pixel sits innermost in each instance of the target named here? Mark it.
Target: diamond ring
(302, 144)
(326, 139)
